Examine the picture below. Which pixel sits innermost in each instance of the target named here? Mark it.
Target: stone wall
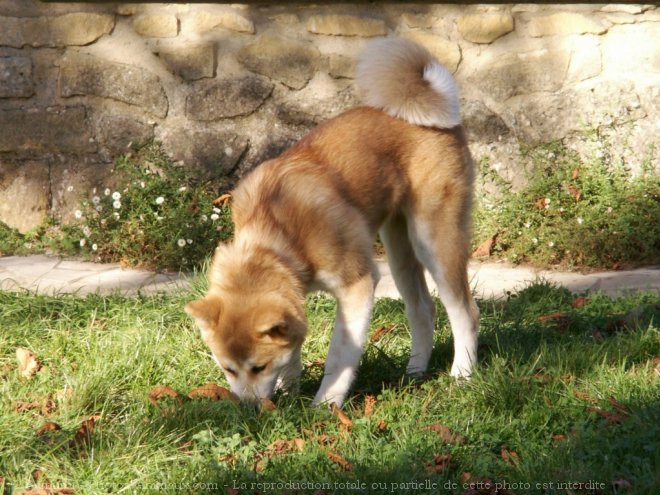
(226, 86)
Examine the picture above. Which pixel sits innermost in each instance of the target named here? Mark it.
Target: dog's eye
(230, 371)
(257, 369)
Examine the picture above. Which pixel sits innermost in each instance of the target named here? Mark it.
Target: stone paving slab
(48, 275)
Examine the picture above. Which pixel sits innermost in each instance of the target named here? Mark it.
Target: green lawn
(565, 403)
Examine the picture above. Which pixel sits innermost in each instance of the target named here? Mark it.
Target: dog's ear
(205, 312)
(276, 331)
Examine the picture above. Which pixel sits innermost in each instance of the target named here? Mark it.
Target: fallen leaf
(211, 391)
(344, 420)
(561, 320)
(37, 475)
(380, 332)
(47, 490)
(83, 435)
(49, 406)
(279, 447)
(656, 365)
(268, 405)
(326, 439)
(580, 302)
(621, 408)
(369, 404)
(340, 461)
(446, 434)
(575, 192)
(161, 391)
(28, 364)
(485, 249)
(382, 425)
(584, 396)
(610, 418)
(575, 173)
(23, 406)
(222, 200)
(509, 456)
(440, 463)
(540, 203)
(47, 428)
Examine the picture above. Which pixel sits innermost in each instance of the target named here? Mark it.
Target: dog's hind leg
(441, 241)
(408, 275)
(354, 307)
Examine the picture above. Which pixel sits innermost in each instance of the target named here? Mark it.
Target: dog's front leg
(354, 306)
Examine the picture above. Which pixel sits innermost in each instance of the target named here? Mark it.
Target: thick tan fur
(307, 220)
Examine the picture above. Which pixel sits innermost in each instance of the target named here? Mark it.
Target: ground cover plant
(566, 399)
(576, 210)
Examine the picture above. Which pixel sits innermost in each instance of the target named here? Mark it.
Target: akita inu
(307, 221)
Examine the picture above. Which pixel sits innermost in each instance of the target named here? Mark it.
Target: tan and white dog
(307, 221)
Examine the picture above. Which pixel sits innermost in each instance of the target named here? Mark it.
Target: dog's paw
(461, 371)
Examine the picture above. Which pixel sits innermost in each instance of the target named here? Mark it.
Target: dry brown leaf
(540, 203)
(580, 302)
(575, 174)
(610, 418)
(47, 428)
(621, 408)
(343, 464)
(37, 475)
(446, 434)
(47, 490)
(575, 192)
(24, 406)
(213, 392)
(380, 332)
(28, 364)
(509, 456)
(440, 463)
(382, 425)
(344, 420)
(485, 249)
(83, 435)
(561, 320)
(557, 439)
(584, 396)
(279, 447)
(163, 391)
(326, 439)
(222, 200)
(369, 405)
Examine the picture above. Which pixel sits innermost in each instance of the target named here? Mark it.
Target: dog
(307, 221)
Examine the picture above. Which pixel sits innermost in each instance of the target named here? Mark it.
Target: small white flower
(94, 247)
(609, 209)
(183, 189)
(215, 216)
(83, 242)
(96, 200)
(204, 218)
(580, 220)
(87, 231)
(116, 215)
(551, 244)
(142, 185)
(189, 241)
(116, 195)
(99, 208)
(181, 242)
(94, 191)
(70, 188)
(116, 205)
(216, 210)
(535, 240)
(78, 214)
(547, 202)
(160, 200)
(528, 225)
(107, 192)
(103, 221)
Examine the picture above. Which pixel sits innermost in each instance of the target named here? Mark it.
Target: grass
(570, 398)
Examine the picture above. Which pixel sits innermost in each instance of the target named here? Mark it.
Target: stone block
(156, 25)
(564, 23)
(24, 188)
(423, 21)
(16, 77)
(116, 128)
(84, 75)
(522, 73)
(79, 28)
(204, 22)
(341, 66)
(346, 25)
(227, 98)
(447, 52)
(215, 152)
(633, 49)
(484, 28)
(482, 124)
(585, 61)
(190, 62)
(73, 179)
(55, 129)
(290, 62)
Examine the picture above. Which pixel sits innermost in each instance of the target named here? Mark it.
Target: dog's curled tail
(404, 80)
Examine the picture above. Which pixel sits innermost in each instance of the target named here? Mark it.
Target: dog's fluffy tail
(406, 81)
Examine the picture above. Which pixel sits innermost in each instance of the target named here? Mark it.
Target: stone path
(48, 275)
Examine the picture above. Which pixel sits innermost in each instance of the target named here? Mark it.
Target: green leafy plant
(156, 214)
(573, 212)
